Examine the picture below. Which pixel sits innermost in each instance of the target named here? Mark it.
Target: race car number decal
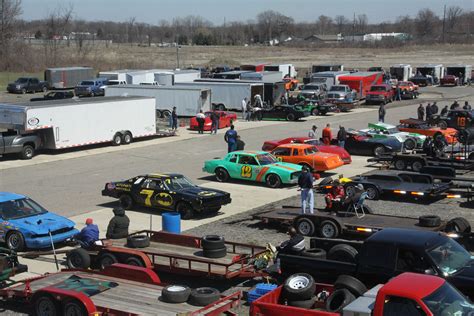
(148, 194)
(246, 172)
(164, 199)
(279, 158)
(461, 121)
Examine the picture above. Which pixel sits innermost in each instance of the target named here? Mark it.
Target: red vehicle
(449, 80)
(405, 294)
(225, 120)
(407, 86)
(269, 145)
(117, 290)
(381, 93)
(256, 67)
(361, 81)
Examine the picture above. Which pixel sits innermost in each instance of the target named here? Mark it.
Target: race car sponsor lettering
(246, 172)
(164, 199)
(148, 194)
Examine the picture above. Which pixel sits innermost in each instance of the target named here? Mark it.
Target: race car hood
(201, 192)
(41, 224)
(333, 149)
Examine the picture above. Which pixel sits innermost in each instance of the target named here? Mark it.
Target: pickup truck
(341, 93)
(381, 93)
(25, 84)
(90, 88)
(313, 90)
(386, 254)
(408, 294)
(12, 142)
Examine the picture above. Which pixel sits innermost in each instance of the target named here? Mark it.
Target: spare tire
(350, 283)
(429, 221)
(215, 253)
(211, 242)
(458, 225)
(175, 294)
(204, 296)
(307, 304)
(299, 287)
(138, 241)
(343, 253)
(338, 300)
(314, 253)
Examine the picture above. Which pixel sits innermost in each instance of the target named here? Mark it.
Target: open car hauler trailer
(117, 290)
(180, 254)
(402, 161)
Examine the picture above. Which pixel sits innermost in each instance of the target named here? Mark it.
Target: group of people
(201, 119)
(248, 110)
(426, 113)
(326, 135)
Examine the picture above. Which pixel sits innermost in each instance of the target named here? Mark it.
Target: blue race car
(26, 224)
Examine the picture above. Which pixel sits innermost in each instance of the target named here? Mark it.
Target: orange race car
(307, 155)
(407, 86)
(412, 125)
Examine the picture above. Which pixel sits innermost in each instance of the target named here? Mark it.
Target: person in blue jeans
(305, 182)
(230, 138)
(88, 235)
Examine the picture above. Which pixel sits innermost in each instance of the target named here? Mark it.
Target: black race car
(281, 112)
(55, 95)
(358, 143)
(171, 191)
(458, 119)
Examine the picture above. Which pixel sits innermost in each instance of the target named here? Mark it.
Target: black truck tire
(175, 294)
(305, 226)
(417, 165)
(73, 307)
(429, 221)
(314, 253)
(343, 253)
(356, 287)
(203, 296)
(338, 300)
(45, 305)
(106, 259)
(329, 229)
(211, 242)
(27, 152)
(78, 258)
(299, 287)
(138, 241)
(400, 164)
(215, 253)
(307, 304)
(458, 225)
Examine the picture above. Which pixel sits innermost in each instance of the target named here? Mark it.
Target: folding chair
(359, 206)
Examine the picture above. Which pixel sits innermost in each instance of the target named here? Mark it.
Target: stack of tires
(213, 246)
(177, 294)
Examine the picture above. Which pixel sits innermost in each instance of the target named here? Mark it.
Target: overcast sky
(152, 11)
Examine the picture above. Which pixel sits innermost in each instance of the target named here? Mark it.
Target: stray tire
(416, 166)
(73, 307)
(307, 304)
(379, 151)
(45, 305)
(185, 210)
(175, 294)
(273, 181)
(27, 152)
(135, 261)
(215, 253)
(15, 241)
(429, 221)
(328, 229)
(372, 192)
(117, 140)
(78, 258)
(203, 296)
(458, 225)
(127, 138)
(106, 259)
(356, 287)
(290, 117)
(138, 241)
(400, 164)
(299, 286)
(314, 253)
(409, 144)
(305, 226)
(211, 242)
(126, 201)
(222, 175)
(338, 300)
(343, 253)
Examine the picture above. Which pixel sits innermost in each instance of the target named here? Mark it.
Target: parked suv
(24, 85)
(90, 88)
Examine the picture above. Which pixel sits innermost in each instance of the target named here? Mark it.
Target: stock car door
(154, 194)
(248, 167)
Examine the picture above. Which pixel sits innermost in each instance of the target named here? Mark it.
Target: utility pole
(444, 21)
(353, 27)
(177, 55)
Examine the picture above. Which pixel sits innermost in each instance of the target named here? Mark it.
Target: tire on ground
(307, 304)
(305, 226)
(429, 221)
(215, 253)
(338, 300)
(175, 294)
(343, 253)
(203, 296)
(400, 164)
(299, 287)
(314, 253)
(356, 287)
(210, 242)
(78, 258)
(138, 241)
(458, 225)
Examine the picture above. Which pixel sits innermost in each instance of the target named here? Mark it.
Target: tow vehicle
(173, 253)
(117, 290)
(408, 294)
(281, 112)
(167, 191)
(386, 254)
(412, 125)
(381, 93)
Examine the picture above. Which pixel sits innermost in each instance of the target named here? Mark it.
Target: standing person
(312, 132)
(434, 108)
(214, 122)
(230, 138)
(382, 113)
(466, 106)
(174, 119)
(249, 111)
(398, 93)
(88, 235)
(428, 112)
(454, 106)
(258, 101)
(444, 111)
(461, 79)
(244, 108)
(305, 182)
(327, 134)
(118, 225)
(421, 112)
(240, 145)
(341, 136)
(200, 118)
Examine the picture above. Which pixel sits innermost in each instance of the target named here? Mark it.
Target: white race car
(381, 130)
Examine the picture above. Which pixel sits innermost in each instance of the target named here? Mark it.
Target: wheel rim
(14, 241)
(400, 165)
(76, 260)
(28, 152)
(371, 193)
(72, 309)
(117, 139)
(298, 282)
(410, 144)
(379, 151)
(221, 176)
(176, 288)
(45, 307)
(350, 190)
(304, 227)
(127, 138)
(273, 181)
(328, 231)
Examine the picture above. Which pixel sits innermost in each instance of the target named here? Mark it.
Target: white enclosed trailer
(401, 72)
(187, 100)
(228, 95)
(120, 75)
(82, 121)
(264, 76)
(285, 69)
(169, 78)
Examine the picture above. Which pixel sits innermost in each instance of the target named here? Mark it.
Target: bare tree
(130, 27)
(58, 23)
(323, 24)
(425, 22)
(10, 10)
(341, 22)
(452, 15)
(361, 23)
(274, 24)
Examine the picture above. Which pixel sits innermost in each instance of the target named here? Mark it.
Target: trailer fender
(63, 295)
(139, 274)
(123, 254)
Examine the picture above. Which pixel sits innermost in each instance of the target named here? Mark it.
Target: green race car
(256, 166)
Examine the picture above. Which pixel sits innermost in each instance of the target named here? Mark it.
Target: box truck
(361, 81)
(80, 122)
(187, 99)
(67, 77)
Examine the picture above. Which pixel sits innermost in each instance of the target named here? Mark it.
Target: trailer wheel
(127, 138)
(117, 140)
(106, 259)
(74, 308)
(429, 221)
(45, 305)
(343, 252)
(185, 210)
(458, 225)
(126, 201)
(350, 283)
(338, 300)
(305, 226)
(175, 294)
(204, 296)
(27, 152)
(78, 258)
(166, 114)
(416, 165)
(400, 164)
(299, 286)
(328, 229)
(135, 261)
(158, 114)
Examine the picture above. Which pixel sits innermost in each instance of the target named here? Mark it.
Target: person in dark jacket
(428, 112)
(444, 111)
(305, 182)
(240, 145)
(118, 225)
(466, 106)
(382, 113)
(174, 119)
(421, 112)
(341, 136)
(230, 138)
(434, 109)
(88, 235)
(294, 245)
(214, 122)
(454, 106)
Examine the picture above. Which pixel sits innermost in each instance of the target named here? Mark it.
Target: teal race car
(258, 166)
(410, 141)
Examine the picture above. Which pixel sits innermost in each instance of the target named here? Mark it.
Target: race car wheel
(106, 259)
(15, 241)
(409, 144)
(203, 296)
(353, 285)
(127, 138)
(305, 226)
(135, 261)
(442, 124)
(175, 294)
(429, 221)
(305, 165)
(299, 286)
(372, 192)
(379, 150)
(117, 140)
(126, 201)
(290, 117)
(45, 305)
(343, 253)
(400, 164)
(338, 300)
(314, 112)
(78, 258)
(328, 229)
(416, 166)
(458, 225)
(222, 175)
(273, 181)
(185, 210)
(73, 307)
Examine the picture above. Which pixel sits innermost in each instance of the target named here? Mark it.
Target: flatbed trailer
(179, 254)
(402, 161)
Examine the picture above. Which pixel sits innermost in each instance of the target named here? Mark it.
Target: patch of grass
(7, 77)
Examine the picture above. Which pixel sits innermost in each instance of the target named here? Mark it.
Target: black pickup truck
(25, 85)
(384, 255)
